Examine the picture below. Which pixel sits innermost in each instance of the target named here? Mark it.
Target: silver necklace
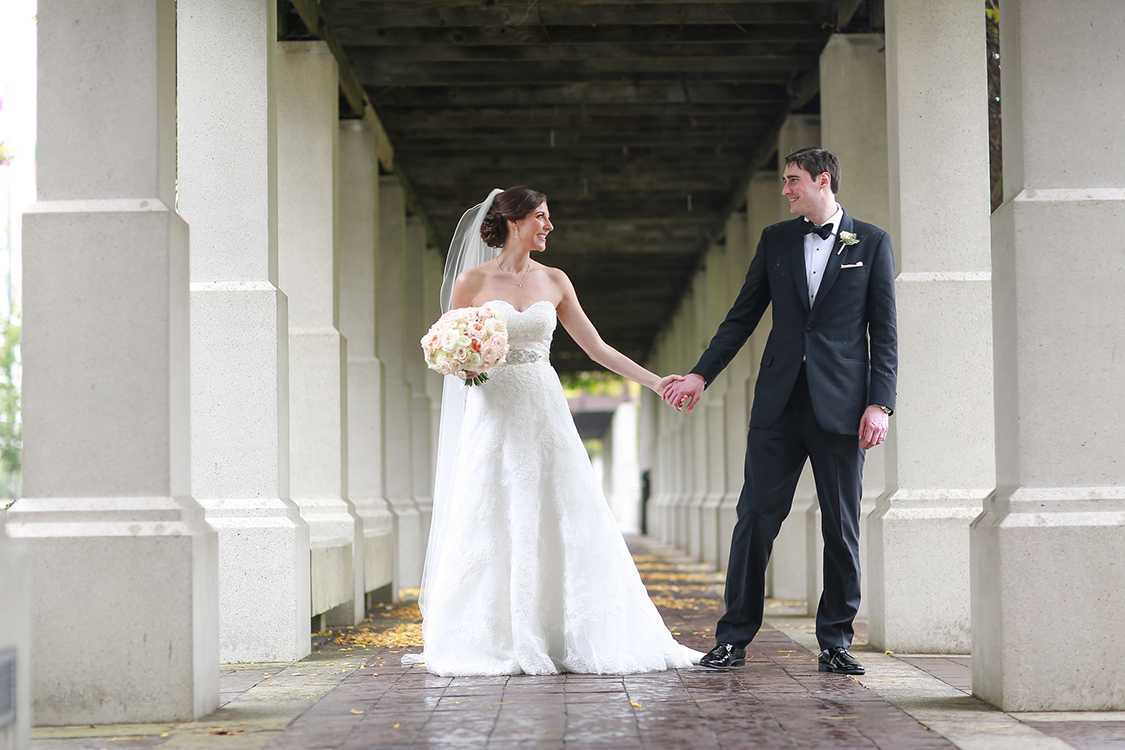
(525, 273)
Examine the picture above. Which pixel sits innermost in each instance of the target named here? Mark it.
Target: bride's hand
(664, 382)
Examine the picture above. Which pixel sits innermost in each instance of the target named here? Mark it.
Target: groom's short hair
(816, 161)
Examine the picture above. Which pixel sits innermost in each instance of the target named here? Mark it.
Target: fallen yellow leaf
(356, 712)
(395, 725)
(634, 704)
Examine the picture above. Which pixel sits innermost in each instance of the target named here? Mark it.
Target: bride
(526, 571)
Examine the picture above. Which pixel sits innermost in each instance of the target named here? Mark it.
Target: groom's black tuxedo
(855, 305)
(822, 366)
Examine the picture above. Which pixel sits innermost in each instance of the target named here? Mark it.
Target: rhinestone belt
(522, 357)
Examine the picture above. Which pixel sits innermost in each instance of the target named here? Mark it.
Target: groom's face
(803, 191)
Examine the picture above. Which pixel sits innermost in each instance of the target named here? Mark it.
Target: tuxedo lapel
(835, 259)
(797, 258)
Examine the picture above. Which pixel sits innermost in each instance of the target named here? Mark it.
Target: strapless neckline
(514, 309)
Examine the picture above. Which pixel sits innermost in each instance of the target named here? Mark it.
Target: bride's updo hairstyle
(511, 205)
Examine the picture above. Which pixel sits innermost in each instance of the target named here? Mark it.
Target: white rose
(448, 340)
(490, 351)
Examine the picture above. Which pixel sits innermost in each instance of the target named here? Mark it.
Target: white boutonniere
(847, 238)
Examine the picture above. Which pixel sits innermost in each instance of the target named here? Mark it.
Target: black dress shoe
(837, 659)
(724, 656)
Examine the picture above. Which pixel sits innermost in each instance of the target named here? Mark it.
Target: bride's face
(532, 230)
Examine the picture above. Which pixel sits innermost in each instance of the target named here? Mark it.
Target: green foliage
(11, 424)
(995, 133)
(593, 382)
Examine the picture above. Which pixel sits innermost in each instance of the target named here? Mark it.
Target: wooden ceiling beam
(354, 36)
(423, 127)
(776, 70)
(393, 15)
(521, 5)
(577, 93)
(768, 47)
(588, 184)
(623, 115)
(845, 10)
(727, 140)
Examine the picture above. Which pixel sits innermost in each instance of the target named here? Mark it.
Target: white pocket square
(852, 265)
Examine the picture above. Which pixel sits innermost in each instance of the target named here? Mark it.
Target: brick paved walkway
(352, 695)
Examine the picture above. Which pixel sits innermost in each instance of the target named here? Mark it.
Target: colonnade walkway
(352, 693)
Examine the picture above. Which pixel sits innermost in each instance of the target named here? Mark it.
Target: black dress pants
(774, 459)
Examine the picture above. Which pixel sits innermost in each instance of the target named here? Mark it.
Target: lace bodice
(530, 330)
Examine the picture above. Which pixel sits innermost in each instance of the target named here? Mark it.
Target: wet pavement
(353, 693)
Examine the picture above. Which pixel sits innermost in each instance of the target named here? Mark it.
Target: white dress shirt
(817, 252)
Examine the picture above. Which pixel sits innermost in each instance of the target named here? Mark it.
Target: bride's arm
(465, 288)
(578, 325)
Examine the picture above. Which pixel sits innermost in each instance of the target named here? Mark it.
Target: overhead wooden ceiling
(641, 121)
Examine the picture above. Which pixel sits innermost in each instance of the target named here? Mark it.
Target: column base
(1048, 599)
(365, 470)
(264, 579)
(787, 574)
(700, 427)
(125, 609)
(918, 570)
(728, 517)
(814, 559)
(709, 528)
(15, 638)
(379, 542)
(335, 563)
(408, 544)
(655, 515)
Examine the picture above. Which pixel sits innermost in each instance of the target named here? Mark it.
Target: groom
(826, 387)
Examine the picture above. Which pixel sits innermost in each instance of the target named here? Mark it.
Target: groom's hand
(684, 394)
(872, 427)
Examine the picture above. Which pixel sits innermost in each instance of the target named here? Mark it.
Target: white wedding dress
(532, 575)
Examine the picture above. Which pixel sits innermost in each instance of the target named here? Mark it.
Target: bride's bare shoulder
(475, 276)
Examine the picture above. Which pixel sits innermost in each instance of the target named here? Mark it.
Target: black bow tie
(824, 232)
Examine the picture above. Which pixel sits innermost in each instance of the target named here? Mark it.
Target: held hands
(685, 392)
(664, 382)
(872, 427)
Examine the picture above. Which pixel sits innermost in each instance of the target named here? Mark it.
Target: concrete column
(648, 447)
(15, 639)
(415, 326)
(433, 270)
(660, 450)
(227, 190)
(698, 423)
(788, 575)
(1047, 572)
(358, 234)
(939, 457)
(124, 581)
(714, 408)
(736, 401)
(684, 446)
(625, 480)
(672, 426)
(398, 421)
(307, 136)
(853, 122)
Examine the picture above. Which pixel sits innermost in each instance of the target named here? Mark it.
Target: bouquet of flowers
(466, 343)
